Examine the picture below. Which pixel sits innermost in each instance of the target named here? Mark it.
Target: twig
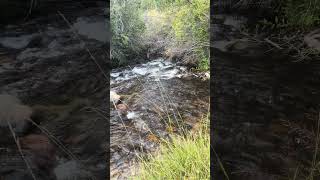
(20, 151)
(87, 49)
(273, 43)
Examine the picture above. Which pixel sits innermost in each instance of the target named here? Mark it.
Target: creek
(158, 94)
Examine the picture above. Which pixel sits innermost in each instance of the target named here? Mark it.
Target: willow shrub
(191, 24)
(127, 27)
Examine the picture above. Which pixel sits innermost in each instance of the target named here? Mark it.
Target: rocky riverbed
(157, 95)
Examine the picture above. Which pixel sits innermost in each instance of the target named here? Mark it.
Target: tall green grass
(184, 157)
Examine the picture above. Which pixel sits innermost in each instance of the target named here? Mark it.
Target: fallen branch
(273, 43)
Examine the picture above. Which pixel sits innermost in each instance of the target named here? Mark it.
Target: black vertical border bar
(211, 86)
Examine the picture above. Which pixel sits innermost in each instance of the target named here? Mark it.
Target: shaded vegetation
(176, 28)
(294, 15)
(127, 29)
(301, 13)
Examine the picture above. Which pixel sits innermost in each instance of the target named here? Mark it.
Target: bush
(191, 26)
(178, 24)
(127, 27)
(294, 15)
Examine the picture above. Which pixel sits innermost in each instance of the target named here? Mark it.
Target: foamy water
(154, 70)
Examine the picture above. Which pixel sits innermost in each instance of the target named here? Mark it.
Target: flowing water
(158, 94)
(44, 63)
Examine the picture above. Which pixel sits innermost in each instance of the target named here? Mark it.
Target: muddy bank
(265, 105)
(47, 66)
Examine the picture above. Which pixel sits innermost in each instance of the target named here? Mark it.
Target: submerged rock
(313, 39)
(69, 170)
(14, 113)
(122, 109)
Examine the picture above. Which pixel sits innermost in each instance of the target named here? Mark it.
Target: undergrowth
(294, 15)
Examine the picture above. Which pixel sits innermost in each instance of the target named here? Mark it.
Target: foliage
(295, 15)
(191, 24)
(192, 21)
(178, 23)
(189, 27)
(127, 27)
(302, 13)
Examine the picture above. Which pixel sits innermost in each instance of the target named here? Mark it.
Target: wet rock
(114, 97)
(42, 150)
(70, 170)
(92, 29)
(37, 143)
(19, 42)
(122, 109)
(16, 175)
(313, 39)
(13, 112)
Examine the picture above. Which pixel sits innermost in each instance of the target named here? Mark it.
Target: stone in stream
(43, 152)
(114, 97)
(69, 170)
(12, 111)
(16, 175)
(17, 42)
(313, 39)
(122, 109)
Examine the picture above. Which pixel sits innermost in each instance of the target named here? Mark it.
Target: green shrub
(292, 15)
(191, 24)
(181, 24)
(127, 27)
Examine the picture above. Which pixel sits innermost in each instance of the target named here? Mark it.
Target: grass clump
(302, 13)
(184, 157)
(295, 15)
